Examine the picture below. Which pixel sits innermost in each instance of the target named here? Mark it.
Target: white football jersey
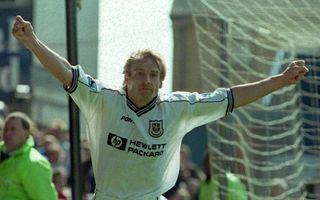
(136, 151)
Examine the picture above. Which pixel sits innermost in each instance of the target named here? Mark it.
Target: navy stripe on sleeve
(74, 82)
(230, 101)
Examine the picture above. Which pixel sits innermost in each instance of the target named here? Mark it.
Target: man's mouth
(146, 88)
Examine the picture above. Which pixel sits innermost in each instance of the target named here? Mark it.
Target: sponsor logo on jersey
(135, 146)
(117, 141)
(127, 119)
(155, 128)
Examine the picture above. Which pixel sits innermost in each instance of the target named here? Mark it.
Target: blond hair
(141, 55)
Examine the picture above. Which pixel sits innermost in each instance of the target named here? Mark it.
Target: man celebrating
(134, 132)
(24, 172)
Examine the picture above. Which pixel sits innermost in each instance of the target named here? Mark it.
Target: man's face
(14, 135)
(143, 81)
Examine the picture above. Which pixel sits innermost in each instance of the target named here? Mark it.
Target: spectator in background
(4, 110)
(1, 126)
(3, 113)
(189, 173)
(58, 129)
(24, 172)
(60, 181)
(55, 155)
(189, 177)
(50, 147)
(45, 141)
(188, 169)
(223, 186)
(89, 182)
(181, 193)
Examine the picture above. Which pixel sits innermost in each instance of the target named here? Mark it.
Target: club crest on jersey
(155, 128)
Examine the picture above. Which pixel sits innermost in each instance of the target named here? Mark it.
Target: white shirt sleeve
(196, 109)
(86, 92)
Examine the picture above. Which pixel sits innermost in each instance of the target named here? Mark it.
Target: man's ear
(160, 85)
(125, 79)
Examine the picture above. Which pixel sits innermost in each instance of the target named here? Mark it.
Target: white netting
(273, 145)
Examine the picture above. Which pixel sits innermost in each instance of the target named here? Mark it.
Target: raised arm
(58, 66)
(247, 93)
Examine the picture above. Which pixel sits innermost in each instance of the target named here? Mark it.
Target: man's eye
(154, 75)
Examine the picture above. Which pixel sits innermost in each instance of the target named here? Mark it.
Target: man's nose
(147, 79)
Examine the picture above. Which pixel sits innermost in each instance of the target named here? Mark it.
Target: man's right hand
(58, 66)
(22, 30)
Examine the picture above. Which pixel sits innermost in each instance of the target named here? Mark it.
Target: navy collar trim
(144, 109)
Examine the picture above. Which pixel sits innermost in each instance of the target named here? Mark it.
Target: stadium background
(46, 97)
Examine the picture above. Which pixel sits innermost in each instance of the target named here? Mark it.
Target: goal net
(272, 145)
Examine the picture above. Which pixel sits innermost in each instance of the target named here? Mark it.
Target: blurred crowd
(189, 179)
(53, 143)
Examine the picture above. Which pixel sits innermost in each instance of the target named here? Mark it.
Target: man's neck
(140, 101)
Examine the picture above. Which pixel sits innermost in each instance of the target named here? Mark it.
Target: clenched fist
(22, 30)
(295, 71)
